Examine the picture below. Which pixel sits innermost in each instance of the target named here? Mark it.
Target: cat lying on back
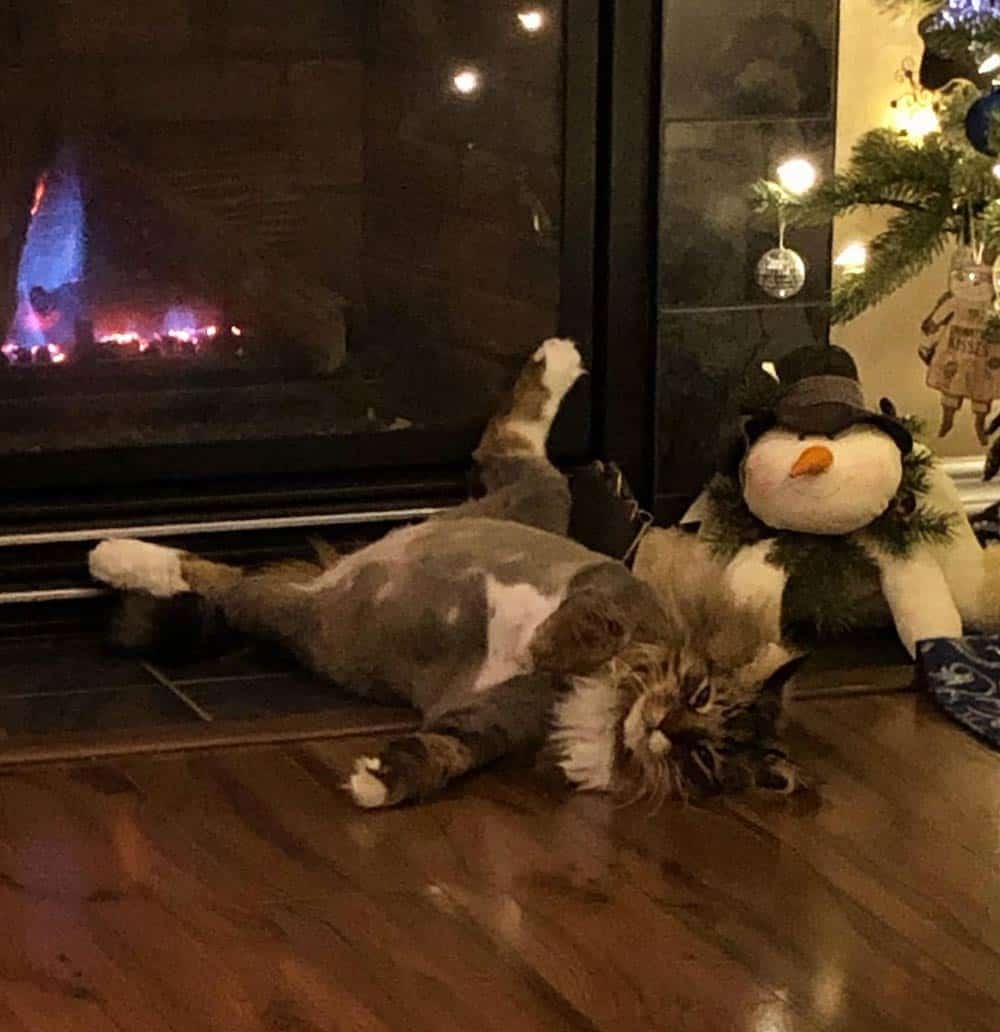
(506, 634)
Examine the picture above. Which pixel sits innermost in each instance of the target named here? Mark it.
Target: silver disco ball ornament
(781, 273)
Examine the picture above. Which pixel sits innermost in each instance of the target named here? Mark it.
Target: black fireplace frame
(607, 302)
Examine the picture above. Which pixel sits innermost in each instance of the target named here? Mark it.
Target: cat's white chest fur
(516, 611)
(583, 733)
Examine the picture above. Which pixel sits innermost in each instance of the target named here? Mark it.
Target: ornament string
(978, 247)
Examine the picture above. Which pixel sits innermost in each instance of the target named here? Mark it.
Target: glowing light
(120, 338)
(179, 319)
(996, 170)
(56, 353)
(39, 196)
(193, 335)
(991, 64)
(852, 259)
(236, 331)
(797, 175)
(919, 122)
(467, 82)
(532, 20)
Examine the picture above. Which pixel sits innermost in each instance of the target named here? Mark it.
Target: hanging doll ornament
(962, 350)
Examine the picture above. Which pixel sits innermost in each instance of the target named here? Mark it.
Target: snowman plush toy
(831, 517)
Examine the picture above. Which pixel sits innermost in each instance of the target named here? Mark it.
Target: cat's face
(689, 728)
(692, 713)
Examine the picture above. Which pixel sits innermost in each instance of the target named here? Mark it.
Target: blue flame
(179, 318)
(55, 248)
(53, 259)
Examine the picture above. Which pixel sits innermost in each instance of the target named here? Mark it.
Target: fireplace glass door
(301, 227)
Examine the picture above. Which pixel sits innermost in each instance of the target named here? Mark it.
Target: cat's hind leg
(522, 426)
(452, 744)
(268, 604)
(521, 483)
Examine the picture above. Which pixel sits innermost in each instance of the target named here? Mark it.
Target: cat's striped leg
(522, 428)
(267, 604)
(419, 765)
(521, 483)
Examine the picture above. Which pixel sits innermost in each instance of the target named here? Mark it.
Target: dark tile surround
(67, 683)
(745, 86)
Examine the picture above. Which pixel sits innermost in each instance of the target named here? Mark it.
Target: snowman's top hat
(819, 393)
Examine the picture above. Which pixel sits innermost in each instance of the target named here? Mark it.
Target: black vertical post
(624, 422)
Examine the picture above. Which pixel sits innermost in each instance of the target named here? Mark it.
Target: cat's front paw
(367, 789)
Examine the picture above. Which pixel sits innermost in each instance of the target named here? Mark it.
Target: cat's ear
(772, 667)
(775, 682)
(778, 774)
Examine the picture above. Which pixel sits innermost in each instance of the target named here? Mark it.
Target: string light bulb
(797, 175)
(914, 113)
(919, 122)
(467, 82)
(991, 64)
(852, 259)
(532, 20)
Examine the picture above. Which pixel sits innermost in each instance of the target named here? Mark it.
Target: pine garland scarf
(827, 575)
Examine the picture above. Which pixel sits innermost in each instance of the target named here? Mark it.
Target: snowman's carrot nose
(815, 459)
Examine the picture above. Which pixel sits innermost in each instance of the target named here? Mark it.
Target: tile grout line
(73, 692)
(199, 711)
(279, 675)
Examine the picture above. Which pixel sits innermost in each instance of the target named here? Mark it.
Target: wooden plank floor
(238, 890)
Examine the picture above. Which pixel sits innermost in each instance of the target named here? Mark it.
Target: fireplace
(269, 261)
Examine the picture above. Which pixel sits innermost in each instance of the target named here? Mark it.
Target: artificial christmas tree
(936, 175)
(939, 180)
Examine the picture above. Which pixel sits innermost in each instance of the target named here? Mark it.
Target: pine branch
(885, 161)
(990, 226)
(908, 244)
(770, 198)
(953, 105)
(842, 195)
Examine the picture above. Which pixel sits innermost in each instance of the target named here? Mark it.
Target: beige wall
(884, 340)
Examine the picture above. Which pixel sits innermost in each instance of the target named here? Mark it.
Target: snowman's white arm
(919, 597)
(758, 583)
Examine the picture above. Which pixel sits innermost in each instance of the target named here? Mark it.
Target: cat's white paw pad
(132, 565)
(366, 788)
(563, 366)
